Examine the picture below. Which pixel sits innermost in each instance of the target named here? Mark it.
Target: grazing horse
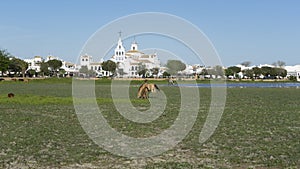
(152, 87)
(10, 95)
(143, 91)
(145, 88)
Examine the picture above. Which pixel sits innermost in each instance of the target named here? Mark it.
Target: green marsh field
(260, 128)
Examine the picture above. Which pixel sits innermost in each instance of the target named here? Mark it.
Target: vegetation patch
(39, 129)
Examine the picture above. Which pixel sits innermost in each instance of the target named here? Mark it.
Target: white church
(128, 62)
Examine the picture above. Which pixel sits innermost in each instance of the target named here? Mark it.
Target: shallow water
(244, 85)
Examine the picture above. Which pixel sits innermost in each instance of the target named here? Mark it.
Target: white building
(129, 61)
(35, 63)
(69, 67)
(86, 60)
(293, 71)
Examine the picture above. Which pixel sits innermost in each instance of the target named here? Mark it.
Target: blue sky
(260, 31)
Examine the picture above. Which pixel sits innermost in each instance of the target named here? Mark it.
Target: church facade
(131, 61)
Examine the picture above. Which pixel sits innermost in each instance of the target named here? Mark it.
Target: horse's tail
(156, 87)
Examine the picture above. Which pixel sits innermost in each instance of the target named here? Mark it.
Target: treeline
(14, 67)
(265, 72)
(235, 72)
(11, 65)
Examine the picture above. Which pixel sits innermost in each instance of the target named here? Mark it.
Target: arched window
(86, 60)
(116, 53)
(132, 68)
(91, 67)
(122, 53)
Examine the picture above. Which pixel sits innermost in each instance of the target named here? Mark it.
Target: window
(91, 67)
(86, 60)
(116, 53)
(119, 46)
(133, 48)
(82, 59)
(132, 68)
(122, 53)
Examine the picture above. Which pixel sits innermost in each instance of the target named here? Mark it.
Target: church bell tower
(120, 50)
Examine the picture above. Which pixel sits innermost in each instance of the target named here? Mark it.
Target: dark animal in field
(10, 95)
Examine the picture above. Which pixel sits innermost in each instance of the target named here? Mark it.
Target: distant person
(170, 82)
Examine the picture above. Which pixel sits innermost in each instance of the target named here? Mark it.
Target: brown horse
(145, 88)
(144, 93)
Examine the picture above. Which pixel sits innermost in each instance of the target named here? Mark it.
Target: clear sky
(260, 31)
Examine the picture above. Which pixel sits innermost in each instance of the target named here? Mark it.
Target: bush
(292, 78)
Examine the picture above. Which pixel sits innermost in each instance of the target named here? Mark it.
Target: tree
(204, 72)
(246, 63)
(219, 70)
(86, 71)
(249, 73)
(109, 66)
(4, 61)
(54, 65)
(174, 66)
(211, 72)
(232, 70)
(266, 71)
(235, 69)
(61, 72)
(257, 71)
(142, 70)
(293, 78)
(17, 65)
(31, 72)
(44, 69)
(155, 71)
(166, 74)
(279, 72)
(229, 72)
(280, 63)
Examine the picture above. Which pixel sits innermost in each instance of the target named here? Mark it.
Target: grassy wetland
(260, 128)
